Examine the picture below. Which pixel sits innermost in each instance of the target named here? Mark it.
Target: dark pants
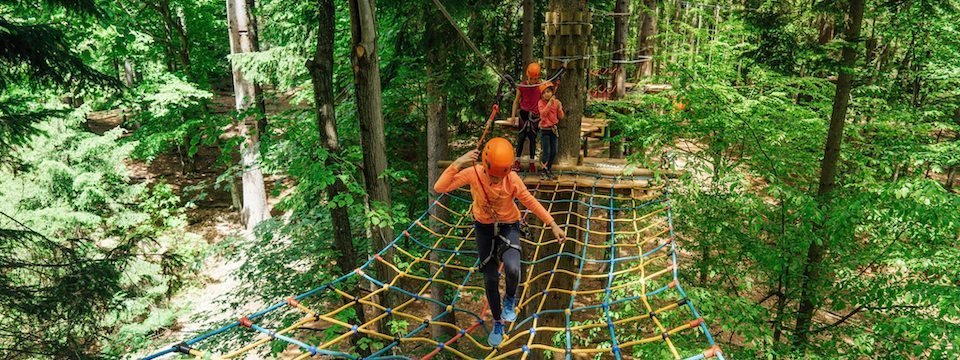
(487, 242)
(528, 131)
(549, 154)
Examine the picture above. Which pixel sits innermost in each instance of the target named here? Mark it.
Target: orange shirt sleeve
(451, 179)
(528, 200)
(560, 114)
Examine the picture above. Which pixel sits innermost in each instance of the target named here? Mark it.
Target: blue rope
(613, 264)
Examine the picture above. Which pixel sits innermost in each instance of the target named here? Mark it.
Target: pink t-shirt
(529, 97)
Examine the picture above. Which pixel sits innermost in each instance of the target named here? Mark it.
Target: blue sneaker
(496, 336)
(509, 309)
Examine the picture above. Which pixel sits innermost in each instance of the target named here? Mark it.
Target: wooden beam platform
(591, 127)
(592, 172)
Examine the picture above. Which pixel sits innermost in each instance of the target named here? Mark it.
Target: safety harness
(501, 244)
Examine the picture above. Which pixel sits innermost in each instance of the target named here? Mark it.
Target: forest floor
(211, 215)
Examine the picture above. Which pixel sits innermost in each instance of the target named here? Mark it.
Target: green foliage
(172, 114)
(750, 141)
(74, 227)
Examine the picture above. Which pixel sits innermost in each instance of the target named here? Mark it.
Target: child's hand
(467, 159)
(558, 233)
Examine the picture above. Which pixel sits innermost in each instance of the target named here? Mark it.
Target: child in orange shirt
(551, 111)
(494, 187)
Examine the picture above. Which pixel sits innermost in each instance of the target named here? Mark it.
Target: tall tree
(176, 32)
(813, 272)
(621, 11)
(243, 40)
(321, 74)
(526, 51)
(435, 41)
(620, 19)
(366, 75)
(645, 40)
(572, 92)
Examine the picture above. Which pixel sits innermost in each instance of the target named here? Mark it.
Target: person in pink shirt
(528, 93)
(551, 111)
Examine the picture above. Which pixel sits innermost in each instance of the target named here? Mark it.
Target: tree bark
(620, 71)
(526, 51)
(813, 273)
(435, 42)
(320, 68)
(178, 35)
(951, 175)
(366, 74)
(255, 207)
(645, 41)
(572, 90)
(129, 75)
(620, 48)
(826, 29)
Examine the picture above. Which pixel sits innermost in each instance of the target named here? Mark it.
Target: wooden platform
(637, 88)
(589, 127)
(592, 172)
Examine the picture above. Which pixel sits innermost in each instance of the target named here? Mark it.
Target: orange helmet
(533, 70)
(498, 157)
(545, 85)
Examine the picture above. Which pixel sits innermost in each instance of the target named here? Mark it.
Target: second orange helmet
(533, 71)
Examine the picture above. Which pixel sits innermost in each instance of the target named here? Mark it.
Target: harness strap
(498, 248)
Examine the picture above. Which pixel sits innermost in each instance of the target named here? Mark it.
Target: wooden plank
(588, 126)
(596, 166)
(567, 180)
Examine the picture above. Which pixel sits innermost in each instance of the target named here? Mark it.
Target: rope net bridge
(610, 290)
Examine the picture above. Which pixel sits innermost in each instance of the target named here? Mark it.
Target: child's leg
(491, 280)
(522, 134)
(532, 134)
(553, 149)
(511, 259)
(545, 147)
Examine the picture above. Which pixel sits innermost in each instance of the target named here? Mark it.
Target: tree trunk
(260, 99)
(366, 74)
(951, 175)
(177, 34)
(129, 75)
(826, 29)
(812, 273)
(255, 208)
(645, 41)
(620, 48)
(620, 72)
(320, 68)
(572, 90)
(526, 51)
(436, 39)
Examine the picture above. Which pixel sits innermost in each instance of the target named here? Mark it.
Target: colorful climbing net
(610, 290)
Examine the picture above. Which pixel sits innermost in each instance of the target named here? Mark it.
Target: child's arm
(559, 107)
(516, 104)
(546, 110)
(534, 205)
(453, 177)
